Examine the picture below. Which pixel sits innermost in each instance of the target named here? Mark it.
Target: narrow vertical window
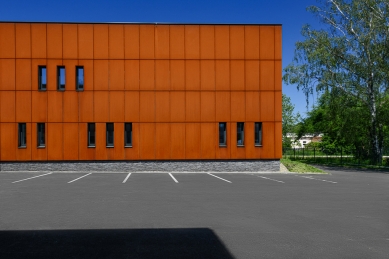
(109, 134)
(128, 134)
(42, 78)
(258, 133)
(61, 78)
(91, 135)
(22, 139)
(240, 133)
(41, 134)
(79, 78)
(222, 134)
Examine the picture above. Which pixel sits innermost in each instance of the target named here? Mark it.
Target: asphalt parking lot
(183, 215)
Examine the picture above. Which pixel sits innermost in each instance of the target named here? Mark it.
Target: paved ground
(59, 215)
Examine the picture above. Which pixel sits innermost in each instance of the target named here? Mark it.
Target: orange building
(111, 91)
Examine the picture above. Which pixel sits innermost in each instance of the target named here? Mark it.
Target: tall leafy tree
(289, 120)
(349, 56)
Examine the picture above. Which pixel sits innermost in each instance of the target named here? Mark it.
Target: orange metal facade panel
(162, 106)
(147, 106)
(131, 74)
(177, 106)
(222, 75)
(266, 42)
(223, 106)
(222, 40)
(101, 106)
(278, 42)
(100, 41)
(23, 106)
(101, 149)
(133, 152)
(70, 141)
(131, 106)
(86, 108)
(237, 42)
(116, 41)
(267, 106)
(116, 75)
(268, 140)
(8, 141)
(23, 74)
(267, 75)
(177, 41)
(162, 145)
(177, 140)
(37, 154)
(208, 103)
(207, 74)
(146, 41)
(39, 107)
(7, 74)
(223, 152)
(237, 75)
(162, 41)
(162, 75)
(23, 40)
(192, 42)
(131, 41)
(252, 75)
(252, 152)
(38, 40)
(54, 107)
(192, 141)
(278, 76)
(192, 75)
(207, 42)
(85, 41)
(88, 73)
(24, 154)
(54, 143)
(70, 106)
(100, 74)
(52, 79)
(116, 106)
(252, 107)
(147, 141)
(85, 153)
(54, 40)
(70, 67)
(7, 43)
(208, 140)
(251, 47)
(118, 150)
(177, 75)
(278, 140)
(146, 75)
(70, 41)
(278, 106)
(238, 109)
(7, 106)
(192, 105)
(237, 152)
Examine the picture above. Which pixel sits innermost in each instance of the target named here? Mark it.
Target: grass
(299, 167)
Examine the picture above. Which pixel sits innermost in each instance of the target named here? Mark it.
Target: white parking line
(31, 178)
(271, 179)
(310, 177)
(173, 177)
(79, 178)
(125, 180)
(219, 178)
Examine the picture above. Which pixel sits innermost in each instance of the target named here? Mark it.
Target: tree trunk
(375, 145)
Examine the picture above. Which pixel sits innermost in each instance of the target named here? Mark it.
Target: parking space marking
(125, 180)
(79, 178)
(219, 178)
(31, 178)
(173, 177)
(271, 179)
(311, 178)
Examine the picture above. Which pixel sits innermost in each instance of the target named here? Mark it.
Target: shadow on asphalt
(112, 243)
(350, 169)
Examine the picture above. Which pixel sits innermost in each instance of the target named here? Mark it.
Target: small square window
(42, 78)
(22, 139)
(61, 78)
(240, 133)
(128, 134)
(109, 134)
(91, 135)
(222, 134)
(79, 78)
(41, 134)
(258, 133)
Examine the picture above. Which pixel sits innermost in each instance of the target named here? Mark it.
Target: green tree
(289, 120)
(348, 58)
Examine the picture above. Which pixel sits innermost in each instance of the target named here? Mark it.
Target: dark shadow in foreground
(113, 243)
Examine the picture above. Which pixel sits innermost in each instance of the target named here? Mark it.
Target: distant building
(304, 140)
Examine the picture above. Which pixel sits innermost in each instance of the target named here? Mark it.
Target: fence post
(303, 152)
(341, 156)
(314, 154)
(294, 152)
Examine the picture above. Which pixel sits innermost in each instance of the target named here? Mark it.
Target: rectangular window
(240, 133)
(61, 78)
(41, 134)
(22, 139)
(91, 135)
(222, 134)
(258, 133)
(42, 78)
(128, 134)
(79, 78)
(109, 134)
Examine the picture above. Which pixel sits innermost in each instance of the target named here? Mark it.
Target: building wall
(175, 83)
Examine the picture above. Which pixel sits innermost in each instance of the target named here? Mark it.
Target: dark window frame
(22, 135)
(61, 87)
(258, 132)
(240, 134)
(91, 133)
(109, 134)
(41, 86)
(80, 87)
(41, 135)
(127, 143)
(223, 134)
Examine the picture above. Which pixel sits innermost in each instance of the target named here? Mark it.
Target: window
(91, 135)
(22, 135)
(79, 78)
(258, 133)
(61, 78)
(128, 134)
(41, 134)
(240, 133)
(222, 134)
(42, 78)
(109, 134)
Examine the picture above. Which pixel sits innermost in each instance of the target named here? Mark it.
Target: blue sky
(291, 14)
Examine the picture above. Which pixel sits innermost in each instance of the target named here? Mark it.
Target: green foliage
(299, 167)
(289, 120)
